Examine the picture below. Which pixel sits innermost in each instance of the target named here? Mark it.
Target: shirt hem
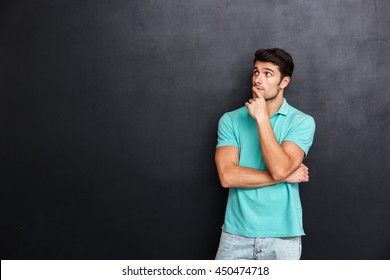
(264, 235)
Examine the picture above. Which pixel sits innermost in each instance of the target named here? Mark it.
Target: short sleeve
(226, 136)
(302, 133)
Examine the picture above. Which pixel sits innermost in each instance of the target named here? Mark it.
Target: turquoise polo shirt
(272, 211)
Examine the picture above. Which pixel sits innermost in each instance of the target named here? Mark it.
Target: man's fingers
(256, 91)
(250, 101)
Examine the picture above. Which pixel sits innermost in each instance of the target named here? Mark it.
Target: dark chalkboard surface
(109, 111)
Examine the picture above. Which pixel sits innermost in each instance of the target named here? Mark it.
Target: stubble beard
(272, 96)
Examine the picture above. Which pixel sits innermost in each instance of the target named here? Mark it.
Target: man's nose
(259, 79)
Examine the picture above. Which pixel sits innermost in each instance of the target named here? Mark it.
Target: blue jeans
(235, 247)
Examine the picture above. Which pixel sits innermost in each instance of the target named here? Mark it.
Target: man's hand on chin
(257, 106)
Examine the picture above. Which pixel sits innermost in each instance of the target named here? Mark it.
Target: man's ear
(285, 81)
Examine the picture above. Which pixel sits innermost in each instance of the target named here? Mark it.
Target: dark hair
(279, 57)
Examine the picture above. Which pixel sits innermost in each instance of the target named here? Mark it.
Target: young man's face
(266, 78)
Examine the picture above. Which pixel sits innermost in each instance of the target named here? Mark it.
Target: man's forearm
(275, 157)
(245, 177)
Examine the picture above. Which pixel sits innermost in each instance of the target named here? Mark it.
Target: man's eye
(268, 74)
(256, 73)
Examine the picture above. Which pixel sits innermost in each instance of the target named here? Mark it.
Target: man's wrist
(260, 120)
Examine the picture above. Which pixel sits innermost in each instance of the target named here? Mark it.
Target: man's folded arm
(232, 175)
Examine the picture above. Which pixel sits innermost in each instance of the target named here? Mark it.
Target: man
(259, 158)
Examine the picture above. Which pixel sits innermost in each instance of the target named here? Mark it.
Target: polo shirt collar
(283, 110)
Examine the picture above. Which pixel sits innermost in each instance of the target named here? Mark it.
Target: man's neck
(274, 105)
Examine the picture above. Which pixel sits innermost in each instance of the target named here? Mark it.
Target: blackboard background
(109, 111)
